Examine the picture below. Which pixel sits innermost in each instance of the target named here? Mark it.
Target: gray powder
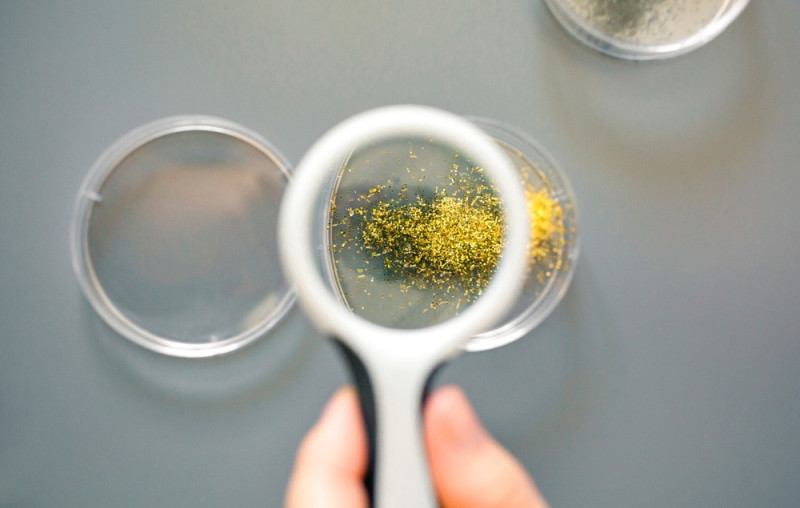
(648, 22)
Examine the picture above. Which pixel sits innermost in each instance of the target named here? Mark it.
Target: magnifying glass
(404, 232)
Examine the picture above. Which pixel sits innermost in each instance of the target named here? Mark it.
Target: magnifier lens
(413, 232)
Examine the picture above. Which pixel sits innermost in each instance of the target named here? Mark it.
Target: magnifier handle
(391, 404)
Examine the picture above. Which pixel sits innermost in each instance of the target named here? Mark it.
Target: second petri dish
(645, 29)
(554, 246)
(174, 237)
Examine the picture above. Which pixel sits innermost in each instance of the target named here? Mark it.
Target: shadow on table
(265, 364)
(679, 121)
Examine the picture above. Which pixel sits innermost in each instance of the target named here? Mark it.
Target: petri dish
(645, 29)
(174, 236)
(554, 246)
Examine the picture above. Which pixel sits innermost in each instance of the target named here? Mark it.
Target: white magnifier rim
(297, 221)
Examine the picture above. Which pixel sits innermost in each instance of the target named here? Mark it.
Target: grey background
(669, 375)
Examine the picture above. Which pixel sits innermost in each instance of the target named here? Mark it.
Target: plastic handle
(391, 404)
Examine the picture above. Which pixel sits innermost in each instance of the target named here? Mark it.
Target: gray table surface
(669, 375)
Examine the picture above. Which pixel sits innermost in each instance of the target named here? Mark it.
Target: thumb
(332, 459)
(469, 468)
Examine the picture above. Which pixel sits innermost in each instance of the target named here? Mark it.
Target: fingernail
(339, 404)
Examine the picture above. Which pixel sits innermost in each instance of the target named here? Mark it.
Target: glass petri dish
(645, 29)
(174, 236)
(554, 247)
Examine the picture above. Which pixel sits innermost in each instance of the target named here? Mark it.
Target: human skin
(469, 468)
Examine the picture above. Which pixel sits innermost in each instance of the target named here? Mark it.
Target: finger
(332, 459)
(469, 468)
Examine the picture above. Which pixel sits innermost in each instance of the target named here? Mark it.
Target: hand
(469, 468)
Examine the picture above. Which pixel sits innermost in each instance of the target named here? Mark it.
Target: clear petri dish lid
(174, 236)
(554, 246)
(645, 29)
